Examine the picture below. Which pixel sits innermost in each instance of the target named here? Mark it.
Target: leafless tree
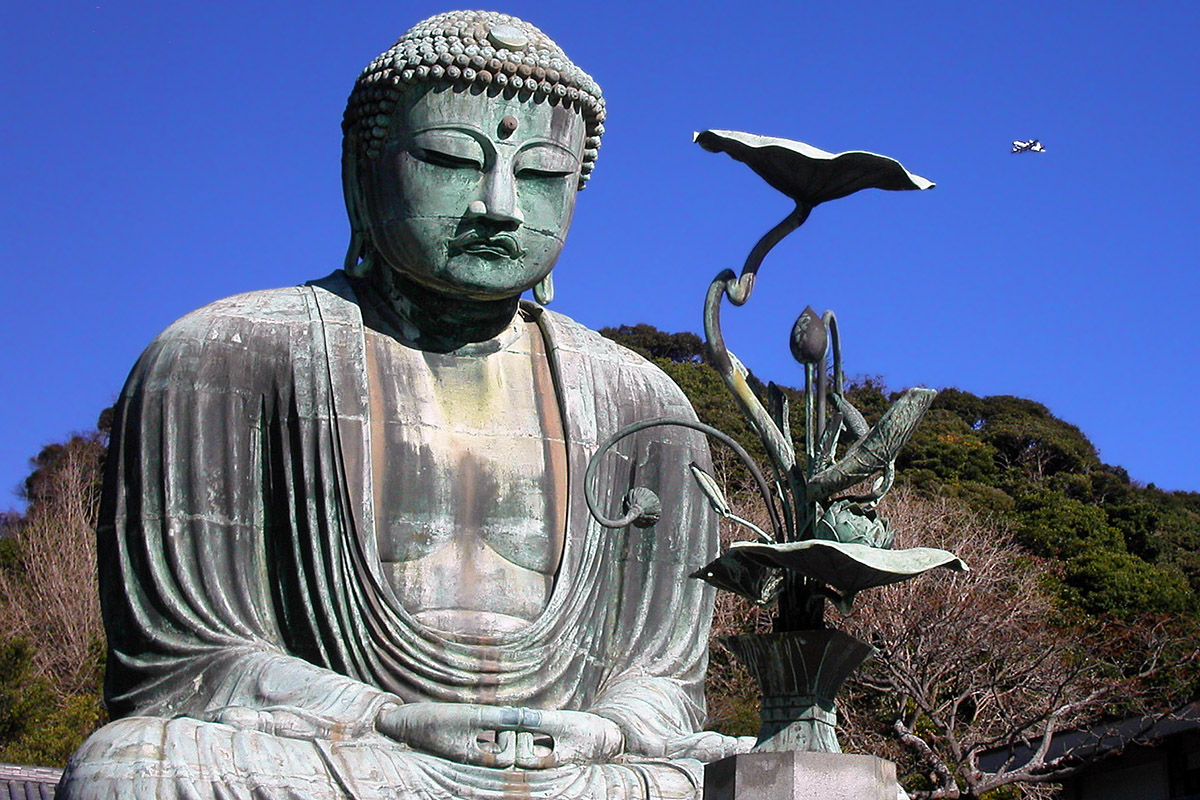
(49, 597)
(974, 662)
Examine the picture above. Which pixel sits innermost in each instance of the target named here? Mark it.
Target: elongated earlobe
(543, 291)
(357, 262)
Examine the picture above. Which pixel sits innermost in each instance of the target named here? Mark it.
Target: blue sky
(158, 156)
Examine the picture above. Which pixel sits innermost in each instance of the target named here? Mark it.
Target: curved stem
(810, 416)
(835, 343)
(778, 450)
(634, 512)
(589, 492)
(820, 392)
(739, 293)
(738, 289)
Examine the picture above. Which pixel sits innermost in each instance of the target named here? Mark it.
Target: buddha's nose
(497, 201)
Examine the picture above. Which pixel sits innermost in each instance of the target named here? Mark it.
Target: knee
(113, 756)
(138, 758)
(131, 740)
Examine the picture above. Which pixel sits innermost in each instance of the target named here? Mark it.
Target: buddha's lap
(151, 757)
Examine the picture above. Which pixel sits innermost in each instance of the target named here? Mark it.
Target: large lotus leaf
(849, 568)
(805, 173)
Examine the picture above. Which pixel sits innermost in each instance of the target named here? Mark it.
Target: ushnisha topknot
(462, 48)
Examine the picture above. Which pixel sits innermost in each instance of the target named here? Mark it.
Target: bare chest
(470, 482)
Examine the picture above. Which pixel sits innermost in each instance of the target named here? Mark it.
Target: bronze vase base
(799, 674)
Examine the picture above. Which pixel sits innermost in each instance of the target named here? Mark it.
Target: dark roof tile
(28, 783)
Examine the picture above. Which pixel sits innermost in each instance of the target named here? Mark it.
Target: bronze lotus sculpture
(823, 543)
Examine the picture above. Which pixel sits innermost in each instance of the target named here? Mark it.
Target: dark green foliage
(1127, 549)
(1024, 433)
(1053, 525)
(1027, 436)
(869, 395)
(964, 405)
(39, 724)
(1176, 539)
(1137, 519)
(1114, 582)
(10, 550)
(652, 343)
(946, 446)
(21, 694)
(982, 497)
(1102, 576)
(38, 487)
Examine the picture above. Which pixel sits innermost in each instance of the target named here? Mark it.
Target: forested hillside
(1082, 603)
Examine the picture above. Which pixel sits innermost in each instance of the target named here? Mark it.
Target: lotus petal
(735, 572)
(877, 449)
(854, 418)
(809, 175)
(849, 568)
(712, 490)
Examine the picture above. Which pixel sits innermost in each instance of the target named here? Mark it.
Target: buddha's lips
(477, 243)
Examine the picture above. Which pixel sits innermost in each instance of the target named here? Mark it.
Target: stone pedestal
(800, 776)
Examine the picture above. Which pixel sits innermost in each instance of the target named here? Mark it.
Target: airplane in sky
(1031, 146)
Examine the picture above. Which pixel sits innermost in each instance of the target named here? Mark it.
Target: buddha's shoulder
(264, 316)
(575, 341)
(570, 336)
(244, 339)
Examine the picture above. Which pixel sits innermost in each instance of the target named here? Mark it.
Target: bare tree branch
(981, 661)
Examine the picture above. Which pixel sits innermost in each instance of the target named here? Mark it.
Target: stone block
(800, 776)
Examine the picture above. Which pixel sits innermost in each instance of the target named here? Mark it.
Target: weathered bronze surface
(345, 549)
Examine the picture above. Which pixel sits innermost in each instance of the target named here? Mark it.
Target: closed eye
(448, 160)
(533, 172)
(546, 161)
(448, 148)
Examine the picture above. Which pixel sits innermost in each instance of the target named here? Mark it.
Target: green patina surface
(344, 545)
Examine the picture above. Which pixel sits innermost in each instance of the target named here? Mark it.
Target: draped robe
(253, 635)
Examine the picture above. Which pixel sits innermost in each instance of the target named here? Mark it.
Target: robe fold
(253, 635)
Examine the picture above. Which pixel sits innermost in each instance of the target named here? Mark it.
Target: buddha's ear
(359, 255)
(358, 261)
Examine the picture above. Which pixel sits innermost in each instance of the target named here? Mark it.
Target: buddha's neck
(437, 322)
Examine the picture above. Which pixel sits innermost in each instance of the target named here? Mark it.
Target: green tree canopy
(652, 343)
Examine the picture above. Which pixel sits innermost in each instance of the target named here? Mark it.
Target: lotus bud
(810, 340)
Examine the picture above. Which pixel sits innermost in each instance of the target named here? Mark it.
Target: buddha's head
(464, 147)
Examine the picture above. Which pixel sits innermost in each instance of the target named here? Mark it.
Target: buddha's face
(473, 194)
